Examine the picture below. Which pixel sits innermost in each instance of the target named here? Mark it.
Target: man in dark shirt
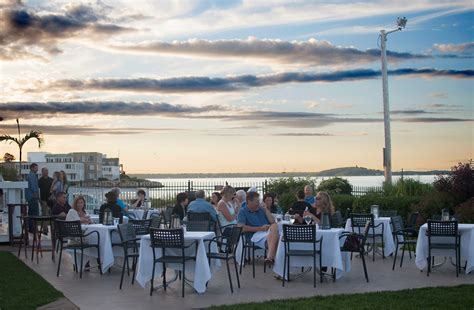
(61, 208)
(301, 205)
(44, 183)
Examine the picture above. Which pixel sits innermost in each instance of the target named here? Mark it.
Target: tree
(8, 157)
(20, 142)
(335, 186)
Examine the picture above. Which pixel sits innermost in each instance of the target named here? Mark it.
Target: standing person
(56, 187)
(45, 182)
(32, 193)
(63, 178)
(308, 195)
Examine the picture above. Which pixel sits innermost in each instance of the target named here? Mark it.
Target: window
(91, 167)
(73, 176)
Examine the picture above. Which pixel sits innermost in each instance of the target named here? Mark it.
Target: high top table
(467, 247)
(201, 269)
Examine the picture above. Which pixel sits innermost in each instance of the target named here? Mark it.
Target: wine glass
(307, 219)
(292, 219)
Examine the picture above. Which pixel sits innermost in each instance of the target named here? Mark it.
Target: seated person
(61, 207)
(200, 205)
(269, 203)
(323, 205)
(180, 207)
(300, 205)
(120, 202)
(112, 205)
(308, 195)
(140, 200)
(254, 218)
(226, 207)
(79, 206)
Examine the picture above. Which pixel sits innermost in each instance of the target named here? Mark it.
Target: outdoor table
(467, 246)
(331, 253)
(138, 213)
(95, 219)
(107, 253)
(201, 268)
(389, 244)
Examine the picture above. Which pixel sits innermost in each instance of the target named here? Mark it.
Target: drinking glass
(116, 221)
(307, 219)
(292, 219)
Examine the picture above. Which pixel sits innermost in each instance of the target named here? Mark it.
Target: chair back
(96, 211)
(299, 233)
(199, 216)
(198, 226)
(412, 219)
(142, 227)
(367, 226)
(167, 214)
(436, 217)
(145, 213)
(442, 228)
(166, 238)
(388, 213)
(337, 220)
(156, 220)
(69, 229)
(126, 232)
(397, 224)
(233, 239)
(360, 220)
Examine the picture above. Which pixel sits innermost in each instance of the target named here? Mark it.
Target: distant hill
(343, 171)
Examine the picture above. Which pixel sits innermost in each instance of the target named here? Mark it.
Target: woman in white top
(225, 207)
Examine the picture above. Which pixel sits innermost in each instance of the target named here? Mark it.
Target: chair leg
(230, 278)
(253, 262)
(365, 267)
(264, 261)
(383, 247)
(288, 269)
(373, 249)
(99, 262)
(82, 260)
(403, 255)
(123, 270)
(59, 262)
(395, 256)
(409, 249)
(128, 268)
(321, 267)
(314, 270)
(152, 278)
(183, 281)
(236, 273)
(75, 261)
(242, 260)
(457, 259)
(284, 272)
(134, 268)
(164, 276)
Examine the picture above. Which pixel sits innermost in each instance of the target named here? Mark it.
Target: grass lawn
(456, 297)
(21, 287)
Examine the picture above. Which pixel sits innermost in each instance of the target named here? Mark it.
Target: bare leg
(272, 241)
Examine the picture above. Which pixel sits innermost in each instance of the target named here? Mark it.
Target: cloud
(409, 112)
(82, 130)
(465, 48)
(22, 29)
(32, 109)
(433, 120)
(247, 117)
(313, 52)
(303, 134)
(440, 95)
(195, 84)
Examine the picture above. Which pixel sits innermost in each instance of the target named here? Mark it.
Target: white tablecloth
(331, 253)
(200, 267)
(106, 252)
(467, 247)
(389, 244)
(95, 219)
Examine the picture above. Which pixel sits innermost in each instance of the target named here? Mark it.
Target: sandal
(269, 261)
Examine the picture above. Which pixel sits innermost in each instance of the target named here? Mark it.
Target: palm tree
(34, 134)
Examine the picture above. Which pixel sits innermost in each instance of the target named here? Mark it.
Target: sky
(239, 86)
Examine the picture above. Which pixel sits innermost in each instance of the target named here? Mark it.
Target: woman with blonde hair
(323, 204)
(79, 207)
(226, 209)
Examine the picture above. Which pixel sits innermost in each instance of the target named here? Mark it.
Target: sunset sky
(239, 86)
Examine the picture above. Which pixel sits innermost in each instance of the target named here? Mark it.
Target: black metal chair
(301, 234)
(198, 226)
(229, 252)
(73, 230)
(388, 213)
(129, 241)
(142, 227)
(202, 216)
(402, 236)
(359, 221)
(249, 248)
(166, 239)
(444, 230)
(156, 221)
(412, 223)
(355, 243)
(336, 220)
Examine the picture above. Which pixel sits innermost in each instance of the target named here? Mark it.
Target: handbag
(351, 243)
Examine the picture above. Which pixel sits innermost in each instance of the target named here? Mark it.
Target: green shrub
(407, 187)
(335, 186)
(9, 173)
(343, 202)
(286, 189)
(403, 204)
(459, 184)
(465, 211)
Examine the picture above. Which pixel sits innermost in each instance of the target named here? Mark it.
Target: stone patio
(94, 291)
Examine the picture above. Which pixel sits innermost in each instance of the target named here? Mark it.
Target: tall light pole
(387, 151)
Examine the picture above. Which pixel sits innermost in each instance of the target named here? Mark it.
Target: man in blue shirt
(200, 205)
(254, 218)
(32, 193)
(308, 195)
(120, 202)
